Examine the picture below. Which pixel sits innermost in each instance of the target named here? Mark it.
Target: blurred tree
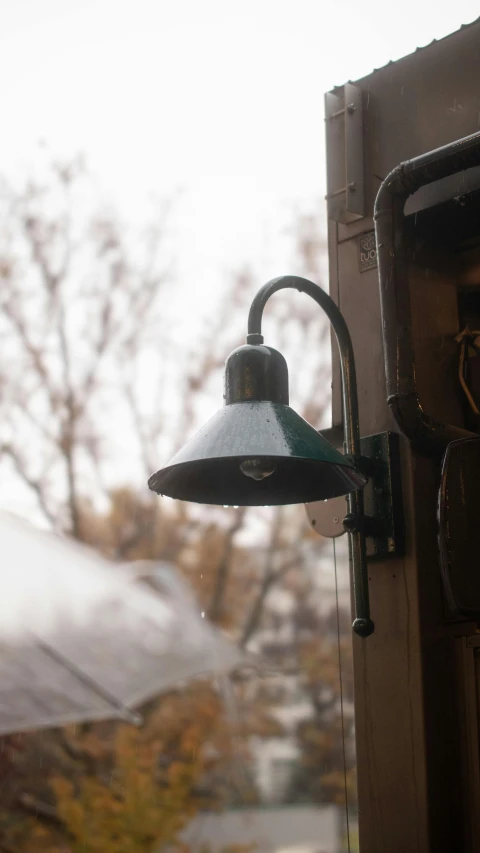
(47, 772)
(153, 787)
(75, 302)
(326, 772)
(85, 336)
(132, 790)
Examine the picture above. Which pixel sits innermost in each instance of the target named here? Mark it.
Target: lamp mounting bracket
(383, 521)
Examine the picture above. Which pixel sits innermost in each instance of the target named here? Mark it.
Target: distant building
(290, 829)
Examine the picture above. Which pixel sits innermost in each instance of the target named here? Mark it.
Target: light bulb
(258, 469)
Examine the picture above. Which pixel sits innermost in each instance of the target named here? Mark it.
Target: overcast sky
(223, 99)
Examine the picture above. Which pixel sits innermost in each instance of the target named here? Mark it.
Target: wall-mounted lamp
(257, 451)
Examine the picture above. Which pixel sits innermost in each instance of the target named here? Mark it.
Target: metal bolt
(350, 522)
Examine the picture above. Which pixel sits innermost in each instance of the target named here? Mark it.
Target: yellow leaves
(39, 833)
(320, 662)
(149, 793)
(334, 784)
(70, 809)
(323, 760)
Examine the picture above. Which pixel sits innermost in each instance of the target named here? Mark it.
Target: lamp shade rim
(219, 482)
(345, 463)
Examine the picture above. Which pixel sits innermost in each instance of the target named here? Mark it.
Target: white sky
(221, 98)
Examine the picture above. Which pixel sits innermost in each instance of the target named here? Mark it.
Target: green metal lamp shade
(296, 463)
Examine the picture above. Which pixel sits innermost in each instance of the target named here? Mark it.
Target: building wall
(410, 778)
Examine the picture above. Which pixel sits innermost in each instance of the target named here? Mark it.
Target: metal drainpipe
(425, 432)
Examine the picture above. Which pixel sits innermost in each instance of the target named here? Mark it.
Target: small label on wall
(367, 251)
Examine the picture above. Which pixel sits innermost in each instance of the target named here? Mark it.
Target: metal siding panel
(344, 145)
(337, 417)
(354, 168)
(414, 105)
(359, 302)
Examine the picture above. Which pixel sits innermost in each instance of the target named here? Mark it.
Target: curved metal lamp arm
(362, 624)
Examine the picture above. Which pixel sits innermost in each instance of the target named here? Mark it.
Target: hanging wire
(462, 339)
(341, 698)
(238, 775)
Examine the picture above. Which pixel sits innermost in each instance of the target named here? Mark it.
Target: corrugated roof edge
(425, 47)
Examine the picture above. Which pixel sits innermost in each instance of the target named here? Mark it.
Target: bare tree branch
(36, 485)
(38, 808)
(270, 576)
(269, 580)
(223, 568)
(52, 315)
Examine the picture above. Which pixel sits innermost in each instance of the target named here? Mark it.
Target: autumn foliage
(143, 806)
(83, 324)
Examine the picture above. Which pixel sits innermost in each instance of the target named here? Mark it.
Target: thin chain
(341, 698)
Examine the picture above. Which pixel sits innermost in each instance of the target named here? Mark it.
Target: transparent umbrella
(84, 639)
